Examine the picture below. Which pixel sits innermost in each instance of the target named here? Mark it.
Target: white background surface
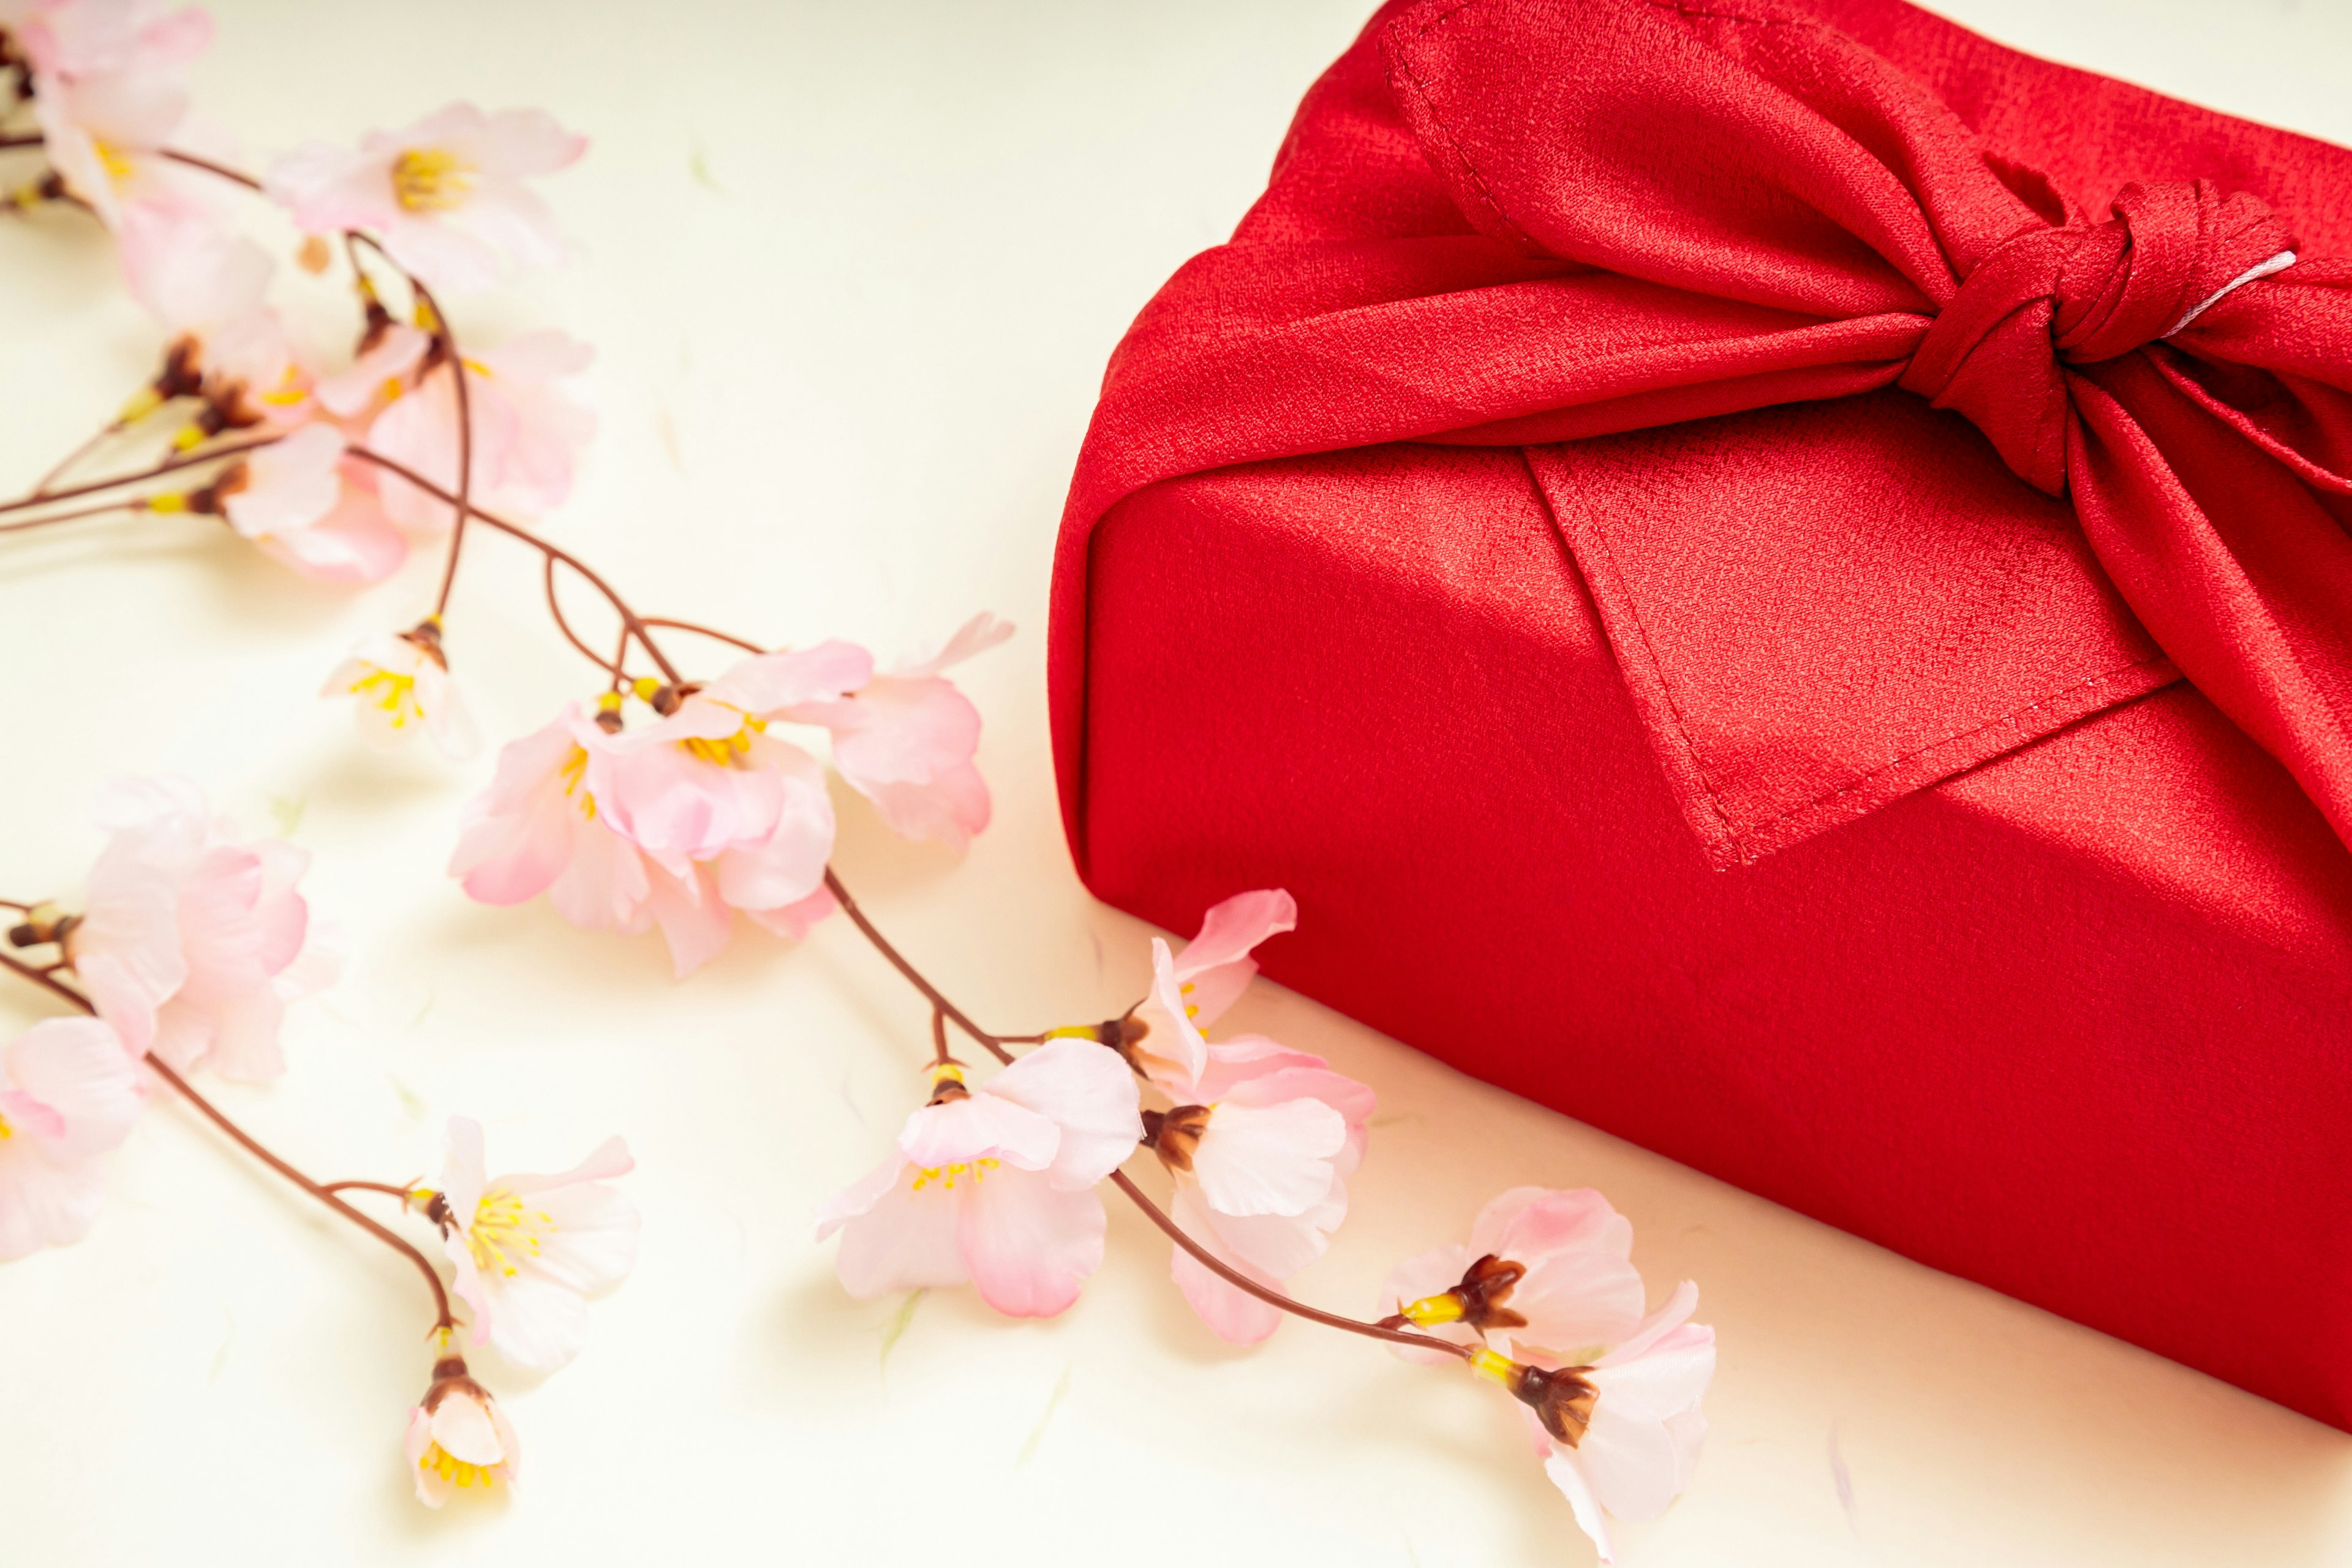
(853, 272)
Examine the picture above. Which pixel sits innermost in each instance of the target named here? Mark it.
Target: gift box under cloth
(1776, 577)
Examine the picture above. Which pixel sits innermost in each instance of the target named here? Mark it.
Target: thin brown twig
(58, 471)
(711, 631)
(555, 610)
(939, 1052)
(404, 1194)
(444, 1319)
(1267, 1294)
(636, 622)
(168, 466)
(209, 167)
(26, 525)
(914, 976)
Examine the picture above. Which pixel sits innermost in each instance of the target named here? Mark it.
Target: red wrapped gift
(1775, 576)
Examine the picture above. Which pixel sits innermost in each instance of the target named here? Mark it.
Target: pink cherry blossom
(208, 288)
(1557, 1262)
(541, 827)
(295, 501)
(362, 389)
(528, 432)
(1622, 1435)
(1261, 1161)
(530, 1251)
(68, 1093)
(109, 91)
(400, 685)
(995, 1185)
(459, 1438)
(1190, 991)
(192, 943)
(905, 740)
(445, 196)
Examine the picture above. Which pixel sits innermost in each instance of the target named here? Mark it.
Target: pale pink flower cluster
(191, 941)
(994, 1184)
(708, 812)
(1260, 1139)
(189, 944)
(1546, 1288)
(446, 194)
(526, 1253)
(68, 1093)
(448, 200)
(109, 93)
(529, 1250)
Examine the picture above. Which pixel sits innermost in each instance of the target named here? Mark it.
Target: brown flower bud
(1562, 1399)
(1478, 1300)
(1174, 1135)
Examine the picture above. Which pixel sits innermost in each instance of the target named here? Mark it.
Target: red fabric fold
(1513, 222)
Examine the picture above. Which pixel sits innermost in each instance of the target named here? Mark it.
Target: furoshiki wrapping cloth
(1679, 530)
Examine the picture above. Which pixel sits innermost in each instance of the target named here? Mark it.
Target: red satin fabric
(1513, 221)
(1812, 455)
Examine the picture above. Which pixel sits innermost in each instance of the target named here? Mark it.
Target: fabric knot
(2082, 293)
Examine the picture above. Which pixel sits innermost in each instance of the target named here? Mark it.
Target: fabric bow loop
(2083, 293)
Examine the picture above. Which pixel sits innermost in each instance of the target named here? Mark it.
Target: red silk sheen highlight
(1630, 440)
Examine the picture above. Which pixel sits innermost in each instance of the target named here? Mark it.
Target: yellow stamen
(1432, 1310)
(431, 179)
(396, 694)
(946, 1175)
(721, 752)
(575, 774)
(112, 159)
(505, 1233)
(6, 1132)
(438, 1460)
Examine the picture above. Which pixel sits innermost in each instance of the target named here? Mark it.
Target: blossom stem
(1270, 1296)
(555, 610)
(638, 624)
(447, 335)
(66, 463)
(931, 992)
(711, 631)
(444, 1320)
(168, 466)
(221, 170)
(26, 525)
(404, 1194)
(939, 1052)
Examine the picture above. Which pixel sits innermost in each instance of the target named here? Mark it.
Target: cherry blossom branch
(943, 1010)
(26, 525)
(638, 624)
(444, 1320)
(931, 994)
(171, 465)
(711, 631)
(1271, 1297)
(446, 336)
